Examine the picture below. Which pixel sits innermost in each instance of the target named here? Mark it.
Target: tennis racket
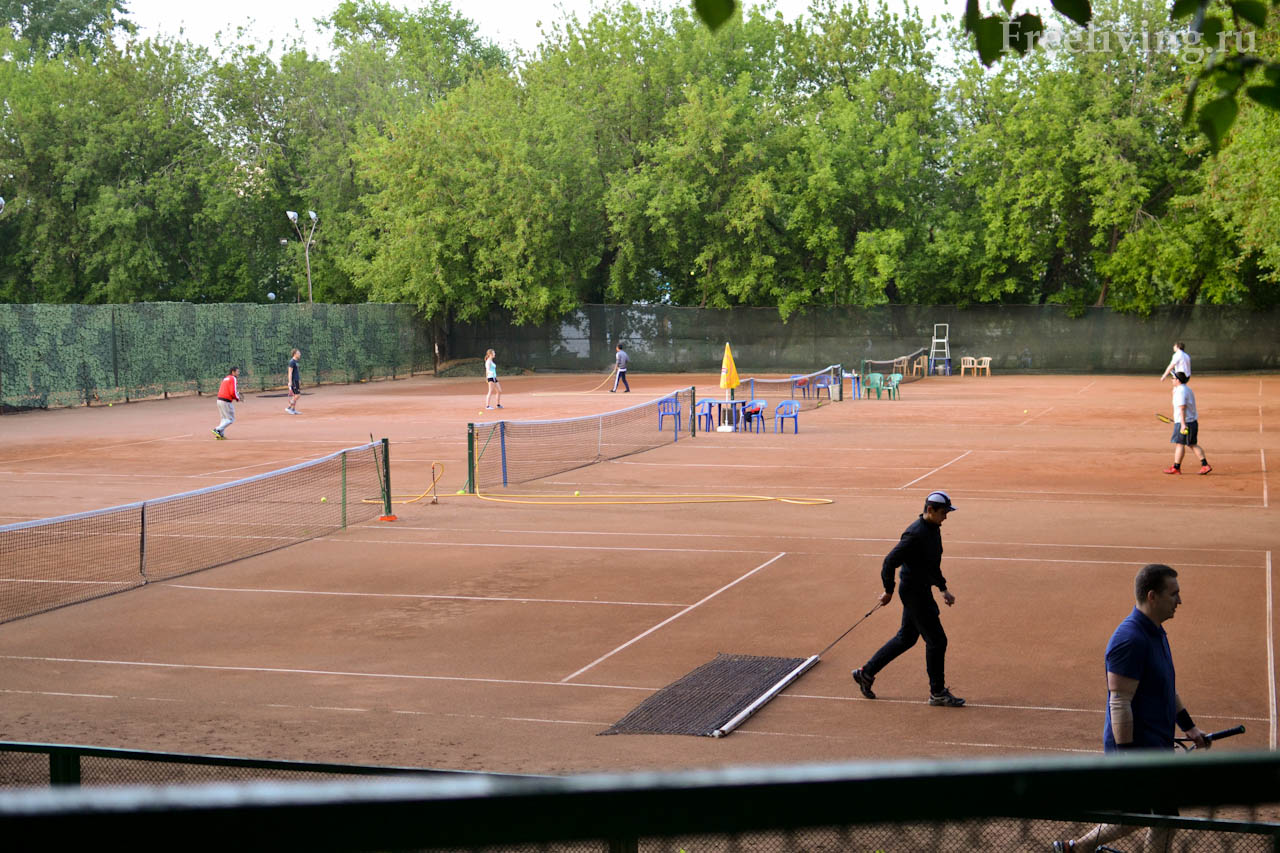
(1169, 420)
(1210, 737)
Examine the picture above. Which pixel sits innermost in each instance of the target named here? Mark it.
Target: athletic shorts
(1193, 430)
(493, 379)
(295, 389)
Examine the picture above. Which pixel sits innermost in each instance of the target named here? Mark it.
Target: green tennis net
(504, 453)
(810, 390)
(54, 562)
(910, 367)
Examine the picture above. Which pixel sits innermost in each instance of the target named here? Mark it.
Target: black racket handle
(1238, 730)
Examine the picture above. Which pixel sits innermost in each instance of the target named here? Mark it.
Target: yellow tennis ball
(576, 494)
(1024, 411)
(324, 500)
(109, 405)
(461, 492)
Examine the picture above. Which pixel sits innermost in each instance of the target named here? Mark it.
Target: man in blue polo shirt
(1142, 703)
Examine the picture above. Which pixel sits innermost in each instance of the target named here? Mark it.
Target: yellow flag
(728, 370)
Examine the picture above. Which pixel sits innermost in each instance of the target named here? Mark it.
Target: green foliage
(53, 27)
(637, 156)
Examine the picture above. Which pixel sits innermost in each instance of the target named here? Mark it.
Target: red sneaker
(1172, 470)
(1206, 468)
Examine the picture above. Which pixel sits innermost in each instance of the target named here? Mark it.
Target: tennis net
(504, 453)
(810, 390)
(912, 366)
(54, 562)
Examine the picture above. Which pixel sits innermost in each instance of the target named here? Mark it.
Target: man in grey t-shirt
(621, 361)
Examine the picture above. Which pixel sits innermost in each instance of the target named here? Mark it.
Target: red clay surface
(503, 637)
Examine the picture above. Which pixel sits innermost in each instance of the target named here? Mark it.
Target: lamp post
(306, 242)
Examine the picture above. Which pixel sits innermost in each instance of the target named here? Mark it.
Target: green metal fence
(1228, 802)
(70, 355)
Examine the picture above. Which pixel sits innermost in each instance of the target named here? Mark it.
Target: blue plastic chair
(669, 407)
(753, 412)
(824, 383)
(703, 411)
(786, 409)
(800, 383)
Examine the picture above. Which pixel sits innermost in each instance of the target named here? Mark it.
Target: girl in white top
(491, 374)
(1180, 363)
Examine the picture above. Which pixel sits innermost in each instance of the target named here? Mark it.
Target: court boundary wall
(994, 803)
(73, 355)
(1018, 338)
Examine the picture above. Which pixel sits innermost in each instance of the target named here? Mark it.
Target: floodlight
(293, 216)
(312, 214)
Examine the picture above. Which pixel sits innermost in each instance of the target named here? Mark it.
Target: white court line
(104, 447)
(1271, 656)
(1259, 419)
(56, 693)
(846, 539)
(1087, 387)
(1264, 479)
(423, 595)
(325, 672)
(551, 547)
(671, 619)
(73, 583)
(1036, 415)
(936, 470)
(876, 555)
(287, 462)
(781, 464)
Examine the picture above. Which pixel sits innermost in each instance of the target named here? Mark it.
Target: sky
(509, 23)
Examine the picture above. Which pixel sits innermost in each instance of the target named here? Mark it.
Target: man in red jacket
(228, 394)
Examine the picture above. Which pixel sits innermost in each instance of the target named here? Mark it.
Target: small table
(736, 408)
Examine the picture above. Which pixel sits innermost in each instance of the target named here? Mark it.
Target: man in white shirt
(1180, 363)
(1186, 426)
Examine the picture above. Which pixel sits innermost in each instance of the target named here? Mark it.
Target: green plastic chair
(873, 382)
(891, 386)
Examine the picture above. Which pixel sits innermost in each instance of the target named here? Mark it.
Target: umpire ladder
(940, 349)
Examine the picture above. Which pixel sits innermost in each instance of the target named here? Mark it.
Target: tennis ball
(324, 500)
(109, 405)
(461, 492)
(1024, 411)
(576, 494)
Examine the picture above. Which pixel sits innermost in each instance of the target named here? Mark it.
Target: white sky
(507, 22)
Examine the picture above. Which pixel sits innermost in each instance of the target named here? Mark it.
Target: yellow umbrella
(728, 371)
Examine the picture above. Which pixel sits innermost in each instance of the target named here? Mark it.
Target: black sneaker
(864, 682)
(945, 699)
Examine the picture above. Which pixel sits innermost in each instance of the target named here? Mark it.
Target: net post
(693, 411)
(839, 377)
(142, 541)
(344, 490)
(387, 515)
(502, 445)
(64, 766)
(470, 487)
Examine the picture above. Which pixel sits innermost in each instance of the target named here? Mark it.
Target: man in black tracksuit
(919, 553)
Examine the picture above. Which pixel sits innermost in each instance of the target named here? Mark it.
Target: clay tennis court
(496, 636)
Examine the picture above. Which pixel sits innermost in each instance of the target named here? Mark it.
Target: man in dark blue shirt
(919, 553)
(1142, 703)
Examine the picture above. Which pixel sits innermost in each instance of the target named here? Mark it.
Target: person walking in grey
(621, 360)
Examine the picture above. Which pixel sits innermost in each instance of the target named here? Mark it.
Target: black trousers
(622, 377)
(919, 619)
